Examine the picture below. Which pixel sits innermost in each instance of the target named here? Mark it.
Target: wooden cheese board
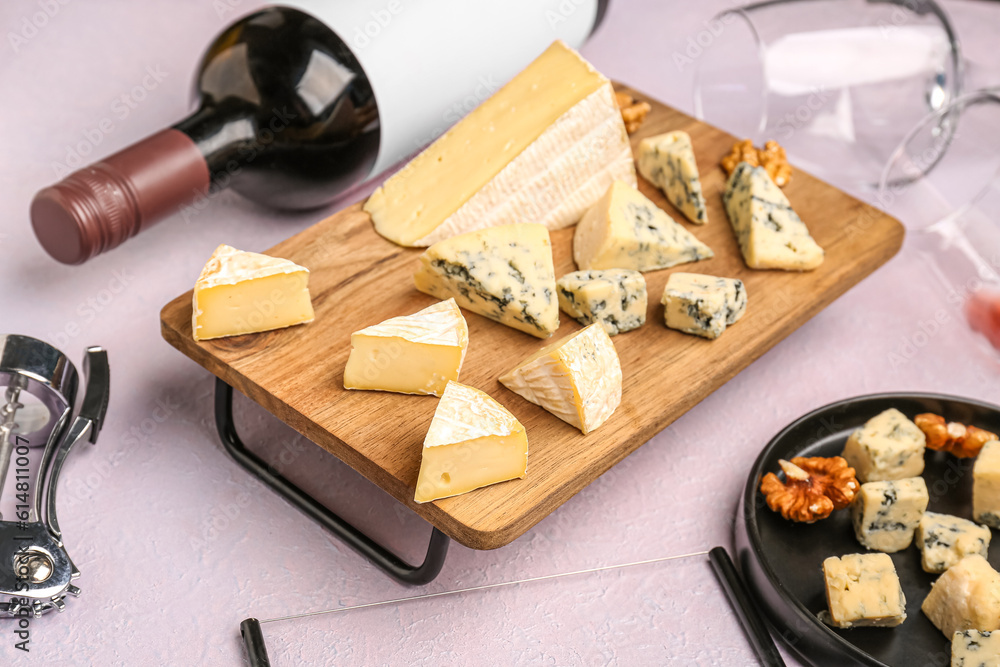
(358, 279)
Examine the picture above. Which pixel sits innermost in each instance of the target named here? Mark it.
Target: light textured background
(177, 544)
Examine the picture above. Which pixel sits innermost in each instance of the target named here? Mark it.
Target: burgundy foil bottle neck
(98, 207)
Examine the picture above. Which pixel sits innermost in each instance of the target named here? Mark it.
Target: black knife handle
(739, 597)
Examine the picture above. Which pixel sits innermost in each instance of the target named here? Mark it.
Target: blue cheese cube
(616, 298)
(944, 540)
(885, 514)
(972, 648)
(667, 161)
(888, 446)
(986, 485)
(703, 305)
(863, 590)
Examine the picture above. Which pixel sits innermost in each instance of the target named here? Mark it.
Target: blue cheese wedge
(771, 235)
(886, 514)
(667, 161)
(889, 446)
(624, 230)
(577, 378)
(986, 485)
(615, 297)
(965, 597)
(411, 354)
(703, 305)
(972, 648)
(504, 273)
(944, 540)
(863, 590)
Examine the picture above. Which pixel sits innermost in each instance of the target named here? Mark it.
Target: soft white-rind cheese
(702, 305)
(863, 590)
(624, 230)
(771, 235)
(503, 273)
(885, 514)
(614, 297)
(667, 161)
(965, 597)
(888, 446)
(411, 354)
(577, 378)
(472, 442)
(241, 292)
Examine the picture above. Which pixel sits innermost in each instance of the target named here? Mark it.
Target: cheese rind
(242, 292)
(503, 273)
(986, 485)
(624, 230)
(702, 305)
(513, 157)
(972, 648)
(771, 235)
(577, 378)
(965, 597)
(472, 442)
(412, 354)
(615, 297)
(667, 161)
(885, 514)
(944, 540)
(863, 590)
(888, 446)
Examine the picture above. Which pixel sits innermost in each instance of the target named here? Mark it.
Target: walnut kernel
(772, 157)
(813, 488)
(633, 113)
(952, 437)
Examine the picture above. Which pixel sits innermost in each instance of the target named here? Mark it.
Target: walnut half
(771, 157)
(952, 437)
(633, 112)
(813, 488)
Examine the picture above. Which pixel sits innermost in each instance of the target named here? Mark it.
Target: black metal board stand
(377, 554)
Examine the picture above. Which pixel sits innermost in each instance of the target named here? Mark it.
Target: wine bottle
(298, 103)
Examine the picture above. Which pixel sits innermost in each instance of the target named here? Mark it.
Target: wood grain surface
(358, 279)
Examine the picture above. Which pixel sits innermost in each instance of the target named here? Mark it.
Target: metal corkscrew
(36, 572)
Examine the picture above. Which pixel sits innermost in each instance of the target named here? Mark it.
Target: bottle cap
(98, 207)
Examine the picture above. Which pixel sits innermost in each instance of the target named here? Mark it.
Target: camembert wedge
(412, 354)
(624, 230)
(577, 378)
(472, 442)
(503, 273)
(242, 292)
(667, 161)
(771, 235)
(543, 148)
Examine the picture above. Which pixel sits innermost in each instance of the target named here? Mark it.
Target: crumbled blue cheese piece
(771, 235)
(885, 514)
(624, 230)
(667, 161)
(888, 446)
(614, 297)
(944, 540)
(703, 305)
(863, 590)
(986, 485)
(972, 648)
(965, 597)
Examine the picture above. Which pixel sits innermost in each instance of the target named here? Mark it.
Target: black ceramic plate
(782, 561)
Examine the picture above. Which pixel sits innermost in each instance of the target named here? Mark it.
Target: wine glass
(836, 82)
(946, 175)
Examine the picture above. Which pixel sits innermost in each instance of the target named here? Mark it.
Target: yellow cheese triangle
(472, 442)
